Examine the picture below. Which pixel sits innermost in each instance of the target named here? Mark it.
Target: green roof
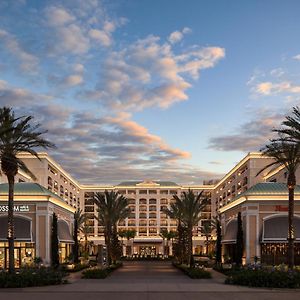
(134, 183)
(28, 188)
(267, 188)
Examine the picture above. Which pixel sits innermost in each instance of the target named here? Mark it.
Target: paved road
(147, 280)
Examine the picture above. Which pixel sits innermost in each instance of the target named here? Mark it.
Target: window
(131, 201)
(152, 216)
(143, 223)
(131, 192)
(143, 201)
(152, 201)
(164, 192)
(173, 192)
(163, 201)
(143, 192)
(122, 192)
(152, 192)
(143, 216)
(152, 208)
(143, 208)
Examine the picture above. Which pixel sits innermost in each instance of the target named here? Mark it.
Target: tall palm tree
(167, 235)
(291, 126)
(79, 220)
(206, 230)
(288, 154)
(216, 225)
(128, 234)
(112, 208)
(85, 229)
(187, 210)
(17, 135)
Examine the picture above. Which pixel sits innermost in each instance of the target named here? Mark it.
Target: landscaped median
(100, 273)
(194, 273)
(31, 277)
(270, 278)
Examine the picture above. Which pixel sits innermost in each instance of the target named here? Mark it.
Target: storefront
(264, 211)
(33, 211)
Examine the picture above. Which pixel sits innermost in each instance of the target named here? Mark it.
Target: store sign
(17, 208)
(281, 208)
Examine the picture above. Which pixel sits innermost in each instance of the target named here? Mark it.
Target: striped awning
(276, 229)
(22, 227)
(63, 232)
(230, 232)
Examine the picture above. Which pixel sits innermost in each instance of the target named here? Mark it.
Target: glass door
(17, 257)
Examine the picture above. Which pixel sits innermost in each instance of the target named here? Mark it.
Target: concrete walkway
(147, 280)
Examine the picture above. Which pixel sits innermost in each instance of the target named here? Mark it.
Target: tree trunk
(190, 247)
(207, 246)
(291, 230)
(75, 248)
(10, 225)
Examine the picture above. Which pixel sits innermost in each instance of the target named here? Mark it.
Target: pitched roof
(28, 188)
(135, 183)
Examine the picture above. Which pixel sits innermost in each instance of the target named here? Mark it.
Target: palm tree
(187, 210)
(85, 229)
(291, 126)
(112, 208)
(206, 230)
(167, 235)
(216, 225)
(286, 153)
(79, 220)
(17, 135)
(128, 234)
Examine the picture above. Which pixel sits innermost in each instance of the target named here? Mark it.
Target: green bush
(100, 273)
(76, 268)
(31, 277)
(95, 273)
(265, 278)
(194, 273)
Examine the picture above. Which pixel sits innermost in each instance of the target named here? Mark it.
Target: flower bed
(100, 273)
(194, 273)
(265, 278)
(31, 277)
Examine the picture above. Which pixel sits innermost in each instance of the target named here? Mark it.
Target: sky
(147, 89)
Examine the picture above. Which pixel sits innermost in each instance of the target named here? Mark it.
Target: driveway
(147, 280)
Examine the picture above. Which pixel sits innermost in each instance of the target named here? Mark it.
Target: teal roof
(134, 183)
(267, 188)
(28, 188)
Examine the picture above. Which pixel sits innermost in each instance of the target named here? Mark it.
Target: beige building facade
(34, 206)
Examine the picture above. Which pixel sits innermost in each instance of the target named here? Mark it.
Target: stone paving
(147, 280)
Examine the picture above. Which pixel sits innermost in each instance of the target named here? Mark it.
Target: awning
(276, 229)
(147, 240)
(230, 232)
(22, 226)
(63, 232)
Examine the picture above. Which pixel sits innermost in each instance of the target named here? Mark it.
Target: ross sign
(17, 208)
(281, 208)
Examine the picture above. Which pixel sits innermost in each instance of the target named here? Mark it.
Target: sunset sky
(151, 89)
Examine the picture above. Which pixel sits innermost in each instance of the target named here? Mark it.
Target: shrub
(31, 277)
(100, 273)
(74, 268)
(265, 278)
(95, 273)
(194, 273)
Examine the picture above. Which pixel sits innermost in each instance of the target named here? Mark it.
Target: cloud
(270, 88)
(149, 74)
(73, 80)
(58, 16)
(100, 36)
(297, 57)
(28, 62)
(78, 68)
(251, 136)
(15, 96)
(177, 36)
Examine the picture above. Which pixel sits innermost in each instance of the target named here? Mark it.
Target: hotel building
(147, 199)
